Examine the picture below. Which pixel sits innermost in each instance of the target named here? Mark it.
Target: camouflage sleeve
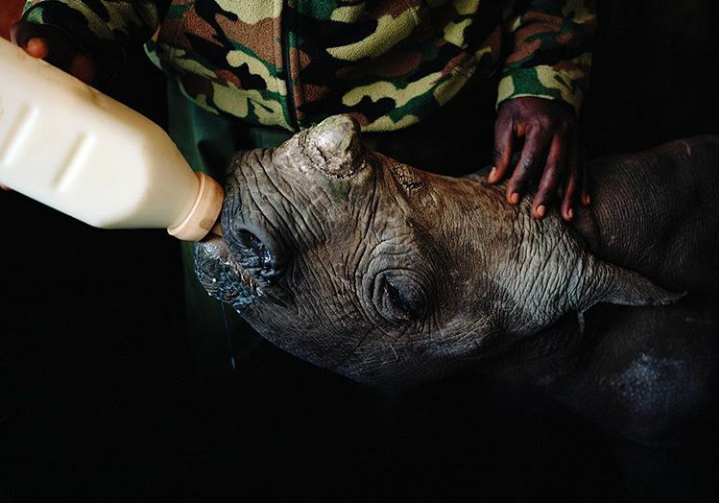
(105, 29)
(548, 54)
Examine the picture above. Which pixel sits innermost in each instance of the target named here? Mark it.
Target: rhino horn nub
(334, 146)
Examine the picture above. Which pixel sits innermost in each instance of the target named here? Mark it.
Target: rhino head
(385, 273)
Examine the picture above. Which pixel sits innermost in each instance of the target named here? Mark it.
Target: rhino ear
(624, 287)
(334, 146)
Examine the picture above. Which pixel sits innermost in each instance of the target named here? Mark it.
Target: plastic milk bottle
(71, 147)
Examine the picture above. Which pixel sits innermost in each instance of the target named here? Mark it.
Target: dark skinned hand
(51, 44)
(551, 148)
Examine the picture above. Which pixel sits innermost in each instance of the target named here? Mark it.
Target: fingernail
(490, 178)
(541, 209)
(587, 200)
(514, 198)
(570, 214)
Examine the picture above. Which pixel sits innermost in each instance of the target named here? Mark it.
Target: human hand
(551, 146)
(52, 45)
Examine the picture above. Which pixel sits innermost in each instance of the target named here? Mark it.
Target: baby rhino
(388, 274)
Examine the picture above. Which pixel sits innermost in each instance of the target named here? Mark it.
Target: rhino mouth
(224, 277)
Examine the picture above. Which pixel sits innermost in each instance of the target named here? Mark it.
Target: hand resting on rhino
(388, 274)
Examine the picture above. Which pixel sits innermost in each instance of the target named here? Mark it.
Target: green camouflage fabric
(291, 63)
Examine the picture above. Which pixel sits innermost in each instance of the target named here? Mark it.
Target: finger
(572, 184)
(45, 42)
(556, 159)
(5, 187)
(22, 33)
(503, 135)
(82, 68)
(16, 34)
(535, 144)
(37, 48)
(584, 168)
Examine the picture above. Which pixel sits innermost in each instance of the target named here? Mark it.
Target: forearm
(548, 54)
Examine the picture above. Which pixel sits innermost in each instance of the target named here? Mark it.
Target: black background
(99, 397)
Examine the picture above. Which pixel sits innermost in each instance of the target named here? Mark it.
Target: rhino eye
(402, 301)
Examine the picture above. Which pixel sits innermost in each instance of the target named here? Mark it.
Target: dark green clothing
(219, 337)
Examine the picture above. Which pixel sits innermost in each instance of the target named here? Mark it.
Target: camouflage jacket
(290, 63)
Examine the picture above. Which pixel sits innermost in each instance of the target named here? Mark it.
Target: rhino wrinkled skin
(388, 274)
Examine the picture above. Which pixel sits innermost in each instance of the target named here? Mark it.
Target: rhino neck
(547, 360)
(538, 271)
(534, 272)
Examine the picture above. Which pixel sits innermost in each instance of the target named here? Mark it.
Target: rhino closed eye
(400, 299)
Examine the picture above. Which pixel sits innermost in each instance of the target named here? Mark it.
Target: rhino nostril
(252, 242)
(255, 246)
(262, 257)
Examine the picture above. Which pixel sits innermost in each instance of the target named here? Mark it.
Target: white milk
(72, 148)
